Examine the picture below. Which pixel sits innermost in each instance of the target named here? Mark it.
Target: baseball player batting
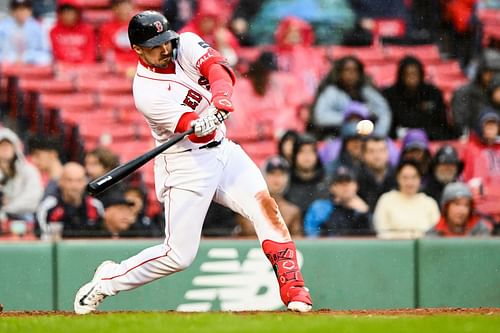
(178, 79)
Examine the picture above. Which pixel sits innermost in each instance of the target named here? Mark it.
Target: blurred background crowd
(426, 72)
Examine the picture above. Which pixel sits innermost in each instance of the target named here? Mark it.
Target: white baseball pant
(186, 183)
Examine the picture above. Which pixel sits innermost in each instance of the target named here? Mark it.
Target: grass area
(151, 322)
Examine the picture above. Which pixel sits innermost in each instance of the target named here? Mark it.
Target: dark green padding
(459, 272)
(26, 276)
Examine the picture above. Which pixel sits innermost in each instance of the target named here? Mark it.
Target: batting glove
(221, 115)
(205, 125)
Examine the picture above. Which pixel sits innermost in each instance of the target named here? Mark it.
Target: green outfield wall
(235, 275)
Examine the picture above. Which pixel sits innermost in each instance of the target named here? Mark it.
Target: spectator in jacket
(446, 167)
(80, 214)
(482, 163)
(468, 100)
(209, 26)
(346, 82)
(22, 39)
(293, 44)
(376, 175)
(307, 180)
(73, 41)
(113, 41)
(20, 183)
(416, 103)
(404, 212)
(343, 214)
(143, 225)
(458, 218)
(277, 176)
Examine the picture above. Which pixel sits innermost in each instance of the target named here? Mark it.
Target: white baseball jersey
(187, 178)
(162, 96)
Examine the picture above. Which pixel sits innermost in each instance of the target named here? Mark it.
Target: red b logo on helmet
(159, 26)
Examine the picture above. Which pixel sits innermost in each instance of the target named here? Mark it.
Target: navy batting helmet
(150, 29)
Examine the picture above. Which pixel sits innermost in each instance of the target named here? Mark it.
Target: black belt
(211, 144)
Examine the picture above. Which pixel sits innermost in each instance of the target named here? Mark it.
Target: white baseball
(365, 127)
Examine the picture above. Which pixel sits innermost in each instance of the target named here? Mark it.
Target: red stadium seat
(109, 86)
(369, 55)
(82, 71)
(260, 150)
(448, 69)
(148, 4)
(76, 116)
(383, 75)
(27, 71)
(73, 101)
(97, 17)
(428, 54)
(108, 101)
(96, 3)
(47, 85)
(105, 133)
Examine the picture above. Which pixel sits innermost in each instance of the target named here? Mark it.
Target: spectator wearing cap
(80, 214)
(446, 167)
(343, 214)
(119, 216)
(415, 147)
(345, 150)
(143, 225)
(113, 35)
(277, 176)
(307, 178)
(404, 212)
(22, 38)
(416, 103)
(73, 41)
(468, 100)
(376, 175)
(482, 163)
(458, 218)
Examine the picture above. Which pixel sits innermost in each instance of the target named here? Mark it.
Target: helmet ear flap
(175, 43)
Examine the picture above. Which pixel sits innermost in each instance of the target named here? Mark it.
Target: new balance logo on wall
(229, 284)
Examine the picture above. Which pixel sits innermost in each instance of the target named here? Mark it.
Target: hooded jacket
(482, 163)
(420, 108)
(24, 190)
(470, 99)
(73, 44)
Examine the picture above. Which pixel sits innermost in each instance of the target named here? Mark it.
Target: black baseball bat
(120, 172)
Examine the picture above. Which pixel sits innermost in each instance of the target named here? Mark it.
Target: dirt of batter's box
(396, 312)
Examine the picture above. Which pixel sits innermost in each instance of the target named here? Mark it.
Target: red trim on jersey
(170, 69)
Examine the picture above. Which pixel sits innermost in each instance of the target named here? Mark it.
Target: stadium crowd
(308, 72)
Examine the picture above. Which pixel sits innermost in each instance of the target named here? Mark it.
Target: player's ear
(137, 49)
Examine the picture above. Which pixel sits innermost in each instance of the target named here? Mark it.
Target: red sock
(283, 258)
